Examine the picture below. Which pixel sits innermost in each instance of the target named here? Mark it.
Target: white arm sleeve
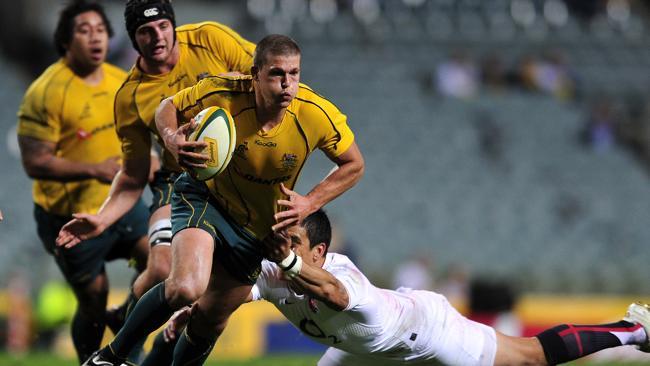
(354, 282)
(255, 291)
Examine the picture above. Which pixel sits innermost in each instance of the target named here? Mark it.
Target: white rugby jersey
(377, 322)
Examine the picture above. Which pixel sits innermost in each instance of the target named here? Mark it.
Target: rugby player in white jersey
(328, 299)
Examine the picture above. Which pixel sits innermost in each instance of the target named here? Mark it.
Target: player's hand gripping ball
(216, 128)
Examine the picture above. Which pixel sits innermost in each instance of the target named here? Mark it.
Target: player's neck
(268, 116)
(153, 67)
(90, 74)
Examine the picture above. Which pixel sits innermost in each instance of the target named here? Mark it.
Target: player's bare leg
(89, 319)
(159, 261)
(568, 342)
(192, 251)
(153, 263)
(519, 351)
(210, 316)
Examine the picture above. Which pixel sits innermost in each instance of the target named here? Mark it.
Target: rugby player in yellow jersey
(69, 147)
(219, 226)
(171, 59)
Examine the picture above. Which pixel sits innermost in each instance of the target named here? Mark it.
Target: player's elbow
(360, 168)
(164, 112)
(357, 169)
(36, 169)
(334, 297)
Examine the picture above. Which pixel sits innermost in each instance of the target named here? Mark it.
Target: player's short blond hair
(274, 44)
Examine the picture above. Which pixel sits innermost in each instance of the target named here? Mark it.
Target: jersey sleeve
(327, 124)
(261, 287)
(207, 92)
(132, 132)
(38, 116)
(352, 279)
(228, 45)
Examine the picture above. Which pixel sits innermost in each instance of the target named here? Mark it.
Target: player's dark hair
(319, 229)
(274, 44)
(65, 25)
(139, 12)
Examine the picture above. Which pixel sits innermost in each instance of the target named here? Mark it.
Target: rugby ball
(216, 128)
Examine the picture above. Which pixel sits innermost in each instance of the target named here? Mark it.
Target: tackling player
(171, 59)
(327, 298)
(279, 123)
(69, 147)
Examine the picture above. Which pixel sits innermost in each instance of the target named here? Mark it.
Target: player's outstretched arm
(40, 162)
(309, 279)
(175, 138)
(126, 190)
(350, 169)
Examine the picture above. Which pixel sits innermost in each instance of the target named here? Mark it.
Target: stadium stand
(497, 181)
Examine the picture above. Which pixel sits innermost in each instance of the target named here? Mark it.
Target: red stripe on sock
(576, 334)
(573, 329)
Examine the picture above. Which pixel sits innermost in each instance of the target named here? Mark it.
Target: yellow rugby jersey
(60, 107)
(249, 188)
(206, 49)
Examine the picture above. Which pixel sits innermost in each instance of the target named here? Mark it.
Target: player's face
(301, 246)
(155, 40)
(89, 43)
(278, 80)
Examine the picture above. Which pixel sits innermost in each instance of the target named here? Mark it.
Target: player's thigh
(455, 340)
(193, 207)
(159, 241)
(192, 251)
(81, 263)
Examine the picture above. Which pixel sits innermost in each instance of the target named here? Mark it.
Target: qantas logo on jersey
(270, 182)
(85, 135)
(177, 80)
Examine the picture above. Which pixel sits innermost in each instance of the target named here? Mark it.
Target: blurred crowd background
(507, 142)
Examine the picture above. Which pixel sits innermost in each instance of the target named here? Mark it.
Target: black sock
(567, 342)
(137, 353)
(192, 350)
(162, 353)
(150, 312)
(115, 317)
(87, 334)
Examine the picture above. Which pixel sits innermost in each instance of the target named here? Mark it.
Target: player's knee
(182, 293)
(92, 301)
(160, 232)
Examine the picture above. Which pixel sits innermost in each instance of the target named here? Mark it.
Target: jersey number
(310, 328)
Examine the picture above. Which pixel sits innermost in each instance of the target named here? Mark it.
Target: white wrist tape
(291, 265)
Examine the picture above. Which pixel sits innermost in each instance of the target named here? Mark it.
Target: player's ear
(321, 250)
(254, 72)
